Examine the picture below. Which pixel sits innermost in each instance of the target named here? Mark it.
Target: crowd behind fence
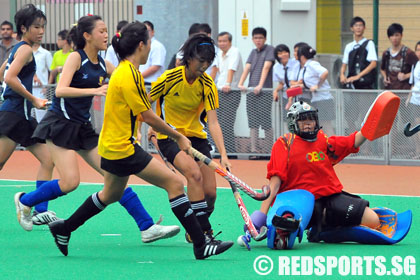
(348, 110)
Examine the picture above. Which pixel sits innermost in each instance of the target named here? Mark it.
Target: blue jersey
(13, 101)
(89, 75)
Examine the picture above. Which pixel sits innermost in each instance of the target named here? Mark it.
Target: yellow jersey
(183, 106)
(125, 100)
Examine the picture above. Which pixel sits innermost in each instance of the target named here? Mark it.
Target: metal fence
(343, 116)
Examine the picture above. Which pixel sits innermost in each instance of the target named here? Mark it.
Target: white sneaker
(23, 213)
(158, 231)
(44, 218)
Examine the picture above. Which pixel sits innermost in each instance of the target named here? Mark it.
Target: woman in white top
(413, 99)
(313, 77)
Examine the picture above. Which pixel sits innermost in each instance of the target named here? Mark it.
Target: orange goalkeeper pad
(380, 116)
(291, 92)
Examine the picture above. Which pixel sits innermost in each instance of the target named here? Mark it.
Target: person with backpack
(360, 57)
(397, 61)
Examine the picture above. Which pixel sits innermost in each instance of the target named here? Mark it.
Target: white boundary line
(146, 185)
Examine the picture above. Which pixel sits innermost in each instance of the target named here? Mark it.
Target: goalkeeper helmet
(303, 111)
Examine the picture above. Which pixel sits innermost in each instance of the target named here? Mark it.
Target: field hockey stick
(165, 160)
(247, 219)
(408, 132)
(232, 179)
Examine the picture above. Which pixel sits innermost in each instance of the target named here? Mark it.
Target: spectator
(43, 59)
(361, 72)
(283, 74)
(110, 53)
(154, 66)
(397, 60)
(360, 56)
(313, 77)
(306, 96)
(413, 100)
(260, 67)
(7, 41)
(229, 67)
(60, 56)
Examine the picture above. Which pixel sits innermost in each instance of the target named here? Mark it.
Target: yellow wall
(405, 12)
(328, 26)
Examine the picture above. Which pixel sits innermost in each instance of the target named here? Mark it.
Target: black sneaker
(211, 247)
(61, 236)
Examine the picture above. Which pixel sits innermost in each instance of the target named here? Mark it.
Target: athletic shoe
(157, 231)
(23, 213)
(43, 218)
(61, 235)
(211, 247)
(388, 220)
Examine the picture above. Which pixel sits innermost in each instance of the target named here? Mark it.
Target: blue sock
(47, 191)
(43, 206)
(131, 202)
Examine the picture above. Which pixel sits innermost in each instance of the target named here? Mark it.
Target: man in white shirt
(43, 60)
(110, 52)
(154, 66)
(229, 67)
(356, 79)
(358, 74)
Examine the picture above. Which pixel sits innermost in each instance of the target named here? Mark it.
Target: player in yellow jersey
(187, 99)
(122, 156)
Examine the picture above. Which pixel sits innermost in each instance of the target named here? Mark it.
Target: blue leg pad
(365, 235)
(300, 203)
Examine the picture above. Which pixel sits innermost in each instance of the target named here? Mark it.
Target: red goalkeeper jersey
(309, 165)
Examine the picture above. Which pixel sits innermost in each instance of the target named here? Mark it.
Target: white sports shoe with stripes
(43, 218)
(61, 235)
(211, 247)
(23, 213)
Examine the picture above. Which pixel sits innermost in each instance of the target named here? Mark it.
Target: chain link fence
(341, 115)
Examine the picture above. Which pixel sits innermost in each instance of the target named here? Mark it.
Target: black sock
(210, 205)
(200, 210)
(87, 210)
(182, 209)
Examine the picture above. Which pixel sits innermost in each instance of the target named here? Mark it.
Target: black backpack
(357, 63)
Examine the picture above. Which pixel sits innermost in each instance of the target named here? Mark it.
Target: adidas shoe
(23, 213)
(157, 231)
(388, 220)
(43, 218)
(211, 247)
(61, 236)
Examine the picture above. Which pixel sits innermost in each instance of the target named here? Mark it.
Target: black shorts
(18, 128)
(133, 164)
(170, 149)
(258, 108)
(341, 209)
(66, 133)
(326, 109)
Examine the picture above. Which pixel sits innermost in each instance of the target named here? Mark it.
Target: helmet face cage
(302, 111)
